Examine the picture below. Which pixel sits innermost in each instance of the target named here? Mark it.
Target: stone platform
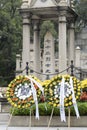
(44, 120)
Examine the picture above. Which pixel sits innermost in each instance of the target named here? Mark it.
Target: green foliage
(47, 26)
(81, 7)
(22, 112)
(46, 110)
(10, 38)
(82, 108)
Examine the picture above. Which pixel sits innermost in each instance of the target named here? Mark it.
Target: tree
(81, 9)
(47, 26)
(10, 38)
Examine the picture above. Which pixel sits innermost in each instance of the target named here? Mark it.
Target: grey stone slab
(42, 128)
(4, 117)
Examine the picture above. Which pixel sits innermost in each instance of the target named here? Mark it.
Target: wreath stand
(52, 115)
(50, 119)
(69, 118)
(11, 118)
(30, 121)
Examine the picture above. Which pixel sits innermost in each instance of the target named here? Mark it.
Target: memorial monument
(36, 11)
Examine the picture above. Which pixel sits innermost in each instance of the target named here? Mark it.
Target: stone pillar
(18, 64)
(72, 3)
(68, 1)
(71, 44)
(78, 63)
(26, 42)
(0, 107)
(63, 3)
(37, 66)
(29, 2)
(62, 44)
(24, 4)
(78, 57)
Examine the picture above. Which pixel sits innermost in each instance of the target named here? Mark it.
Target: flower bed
(84, 90)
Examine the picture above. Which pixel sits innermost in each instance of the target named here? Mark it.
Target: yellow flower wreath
(52, 90)
(19, 92)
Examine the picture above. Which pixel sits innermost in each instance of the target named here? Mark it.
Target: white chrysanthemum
(56, 96)
(23, 91)
(56, 87)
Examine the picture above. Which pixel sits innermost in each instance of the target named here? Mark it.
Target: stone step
(3, 123)
(4, 117)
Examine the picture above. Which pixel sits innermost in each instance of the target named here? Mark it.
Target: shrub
(46, 110)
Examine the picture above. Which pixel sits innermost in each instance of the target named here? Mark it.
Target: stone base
(4, 105)
(44, 120)
(5, 108)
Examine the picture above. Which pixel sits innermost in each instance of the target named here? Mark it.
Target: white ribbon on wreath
(62, 109)
(35, 93)
(74, 99)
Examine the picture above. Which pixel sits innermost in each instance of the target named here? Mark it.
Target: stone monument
(48, 56)
(35, 12)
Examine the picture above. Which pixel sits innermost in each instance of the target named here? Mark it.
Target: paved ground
(42, 128)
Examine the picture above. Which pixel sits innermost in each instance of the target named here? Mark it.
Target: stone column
(62, 44)
(18, 64)
(78, 57)
(71, 44)
(26, 42)
(37, 66)
(24, 4)
(68, 1)
(78, 62)
(72, 3)
(63, 3)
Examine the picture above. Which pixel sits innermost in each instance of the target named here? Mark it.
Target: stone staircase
(4, 118)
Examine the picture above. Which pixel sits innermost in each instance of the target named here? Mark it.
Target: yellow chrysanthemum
(26, 98)
(53, 90)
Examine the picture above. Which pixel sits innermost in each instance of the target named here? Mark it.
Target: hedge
(45, 110)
